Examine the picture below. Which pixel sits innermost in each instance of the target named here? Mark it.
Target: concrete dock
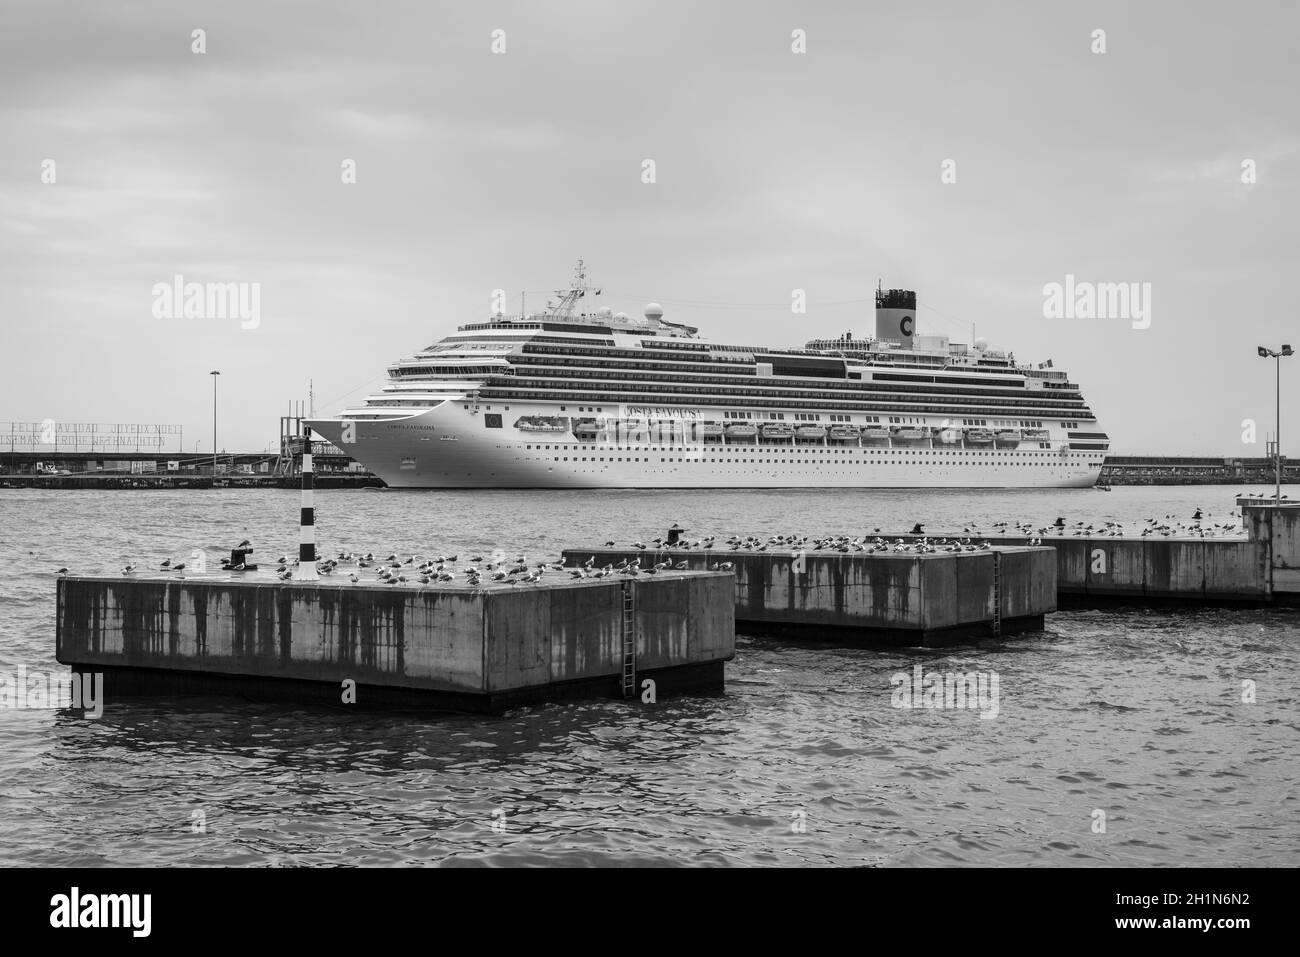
(935, 598)
(485, 648)
(1146, 569)
(1261, 568)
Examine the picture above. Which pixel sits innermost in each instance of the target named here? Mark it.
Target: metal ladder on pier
(629, 640)
(997, 594)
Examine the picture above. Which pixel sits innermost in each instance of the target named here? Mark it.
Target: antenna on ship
(569, 297)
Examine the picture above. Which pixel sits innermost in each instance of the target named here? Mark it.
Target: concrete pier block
(485, 648)
(1276, 526)
(1149, 568)
(881, 597)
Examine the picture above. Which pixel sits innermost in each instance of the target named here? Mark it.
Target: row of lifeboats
(748, 431)
(590, 428)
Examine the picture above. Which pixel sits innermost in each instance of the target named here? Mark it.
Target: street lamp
(1277, 438)
(214, 373)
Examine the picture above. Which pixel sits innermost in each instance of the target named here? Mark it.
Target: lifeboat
(1008, 437)
(844, 433)
(875, 432)
(588, 427)
(810, 432)
(910, 434)
(776, 430)
(741, 430)
(979, 436)
(708, 429)
(1037, 435)
(947, 435)
(542, 423)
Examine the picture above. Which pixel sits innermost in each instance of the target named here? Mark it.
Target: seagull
(167, 562)
(61, 571)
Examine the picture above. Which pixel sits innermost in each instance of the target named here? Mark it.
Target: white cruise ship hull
(450, 446)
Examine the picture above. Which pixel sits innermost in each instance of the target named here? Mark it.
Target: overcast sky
(775, 171)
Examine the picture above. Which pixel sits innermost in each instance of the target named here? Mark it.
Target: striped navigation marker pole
(306, 570)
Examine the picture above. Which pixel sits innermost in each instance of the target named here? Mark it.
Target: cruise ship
(570, 399)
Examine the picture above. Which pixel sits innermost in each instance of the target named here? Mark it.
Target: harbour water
(1136, 714)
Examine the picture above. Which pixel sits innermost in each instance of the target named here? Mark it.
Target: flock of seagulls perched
(633, 568)
(440, 570)
(476, 571)
(837, 543)
(447, 569)
(415, 569)
(1169, 526)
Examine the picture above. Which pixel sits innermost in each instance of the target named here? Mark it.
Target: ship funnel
(896, 315)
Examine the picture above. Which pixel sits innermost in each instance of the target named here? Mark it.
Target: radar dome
(620, 315)
(981, 344)
(654, 311)
(604, 312)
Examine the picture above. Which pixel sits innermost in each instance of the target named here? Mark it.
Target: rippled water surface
(1135, 713)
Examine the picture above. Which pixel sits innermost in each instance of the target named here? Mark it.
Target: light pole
(1277, 436)
(214, 373)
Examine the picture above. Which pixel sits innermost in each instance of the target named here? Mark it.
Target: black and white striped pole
(306, 570)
